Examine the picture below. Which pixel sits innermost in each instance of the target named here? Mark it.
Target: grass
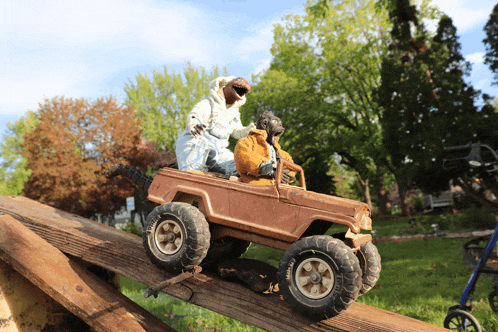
(180, 315)
(419, 279)
(422, 279)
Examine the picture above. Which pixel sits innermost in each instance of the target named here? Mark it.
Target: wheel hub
(314, 278)
(169, 237)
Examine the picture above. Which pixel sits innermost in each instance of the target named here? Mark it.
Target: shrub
(416, 202)
(133, 228)
(476, 218)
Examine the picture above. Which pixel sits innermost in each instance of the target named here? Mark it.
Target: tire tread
(197, 237)
(346, 262)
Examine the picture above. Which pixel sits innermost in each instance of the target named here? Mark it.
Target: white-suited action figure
(203, 144)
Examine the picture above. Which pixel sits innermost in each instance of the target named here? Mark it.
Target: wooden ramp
(123, 253)
(100, 305)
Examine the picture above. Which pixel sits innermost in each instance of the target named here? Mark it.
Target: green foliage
(13, 171)
(427, 104)
(133, 229)
(475, 218)
(466, 220)
(320, 82)
(163, 101)
(347, 185)
(416, 202)
(491, 43)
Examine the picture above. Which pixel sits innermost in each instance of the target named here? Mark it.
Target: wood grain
(101, 306)
(123, 253)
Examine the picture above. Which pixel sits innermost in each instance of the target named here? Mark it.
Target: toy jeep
(203, 219)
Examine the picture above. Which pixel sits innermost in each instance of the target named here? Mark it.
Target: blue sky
(91, 48)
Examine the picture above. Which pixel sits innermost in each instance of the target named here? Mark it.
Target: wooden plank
(98, 304)
(123, 253)
(36, 312)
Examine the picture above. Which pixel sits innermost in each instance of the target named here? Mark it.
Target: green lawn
(180, 315)
(419, 279)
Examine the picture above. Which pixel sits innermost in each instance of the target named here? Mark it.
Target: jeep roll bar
(281, 162)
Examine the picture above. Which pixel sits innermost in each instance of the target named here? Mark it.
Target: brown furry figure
(256, 155)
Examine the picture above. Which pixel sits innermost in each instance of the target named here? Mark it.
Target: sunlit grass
(180, 315)
(422, 279)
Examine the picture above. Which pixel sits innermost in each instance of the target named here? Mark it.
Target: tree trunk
(382, 196)
(366, 190)
(405, 211)
(368, 199)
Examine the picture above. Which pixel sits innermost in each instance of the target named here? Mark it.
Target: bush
(133, 228)
(445, 223)
(469, 219)
(416, 202)
(476, 218)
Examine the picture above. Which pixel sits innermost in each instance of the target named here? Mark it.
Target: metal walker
(459, 317)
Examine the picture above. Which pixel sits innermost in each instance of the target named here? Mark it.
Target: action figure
(256, 155)
(203, 144)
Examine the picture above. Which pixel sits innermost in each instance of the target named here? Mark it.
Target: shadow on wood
(123, 253)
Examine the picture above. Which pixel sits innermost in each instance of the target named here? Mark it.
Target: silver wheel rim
(169, 237)
(314, 278)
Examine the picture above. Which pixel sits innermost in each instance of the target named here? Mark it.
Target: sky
(92, 48)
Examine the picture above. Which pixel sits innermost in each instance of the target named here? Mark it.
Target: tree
(405, 89)
(325, 66)
(163, 101)
(13, 171)
(491, 43)
(73, 145)
(427, 104)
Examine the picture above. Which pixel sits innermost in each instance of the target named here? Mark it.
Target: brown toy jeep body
(275, 216)
(202, 219)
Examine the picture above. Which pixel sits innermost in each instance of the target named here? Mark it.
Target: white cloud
(260, 41)
(70, 47)
(475, 58)
(50, 48)
(265, 64)
(466, 14)
(174, 31)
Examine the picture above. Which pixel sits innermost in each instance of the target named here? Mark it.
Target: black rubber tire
(459, 320)
(223, 249)
(344, 264)
(370, 264)
(195, 231)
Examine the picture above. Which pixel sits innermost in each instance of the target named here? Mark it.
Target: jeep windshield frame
(281, 162)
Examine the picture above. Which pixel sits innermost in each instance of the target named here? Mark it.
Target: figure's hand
(286, 177)
(266, 169)
(197, 129)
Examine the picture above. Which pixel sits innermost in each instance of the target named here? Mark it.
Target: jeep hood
(327, 203)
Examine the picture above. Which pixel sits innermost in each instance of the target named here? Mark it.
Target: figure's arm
(198, 117)
(239, 130)
(246, 161)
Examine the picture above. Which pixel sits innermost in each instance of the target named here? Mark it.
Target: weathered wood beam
(100, 305)
(36, 311)
(123, 253)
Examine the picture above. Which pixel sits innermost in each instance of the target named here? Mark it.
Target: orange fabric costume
(250, 152)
